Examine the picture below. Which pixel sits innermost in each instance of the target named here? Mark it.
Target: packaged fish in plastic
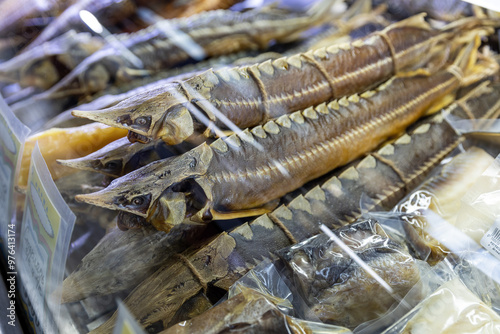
(337, 288)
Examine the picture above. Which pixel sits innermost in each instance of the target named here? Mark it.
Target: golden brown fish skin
(251, 95)
(223, 183)
(381, 180)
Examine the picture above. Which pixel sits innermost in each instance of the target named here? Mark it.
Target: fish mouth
(129, 221)
(135, 137)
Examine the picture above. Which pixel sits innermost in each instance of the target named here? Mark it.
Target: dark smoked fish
(336, 289)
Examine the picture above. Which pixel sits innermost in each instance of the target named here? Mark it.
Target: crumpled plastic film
(336, 288)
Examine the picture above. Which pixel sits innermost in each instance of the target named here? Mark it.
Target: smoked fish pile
(198, 140)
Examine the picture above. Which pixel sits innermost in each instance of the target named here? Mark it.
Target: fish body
(232, 178)
(247, 96)
(152, 49)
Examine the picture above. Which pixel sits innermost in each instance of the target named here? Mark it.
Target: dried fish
(337, 290)
(108, 12)
(121, 157)
(251, 95)
(122, 260)
(220, 181)
(249, 312)
(378, 182)
(45, 65)
(216, 32)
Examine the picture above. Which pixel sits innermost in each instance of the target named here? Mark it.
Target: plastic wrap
(459, 194)
(260, 302)
(450, 309)
(322, 285)
(336, 288)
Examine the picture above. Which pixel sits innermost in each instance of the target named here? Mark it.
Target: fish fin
(441, 104)
(417, 21)
(467, 66)
(217, 215)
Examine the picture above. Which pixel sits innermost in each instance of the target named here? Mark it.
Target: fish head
(165, 191)
(149, 115)
(42, 74)
(112, 160)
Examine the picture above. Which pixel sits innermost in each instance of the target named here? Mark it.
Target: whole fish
(232, 178)
(122, 260)
(251, 95)
(216, 33)
(45, 65)
(121, 157)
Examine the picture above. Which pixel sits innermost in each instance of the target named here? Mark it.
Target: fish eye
(111, 165)
(138, 201)
(141, 121)
(193, 163)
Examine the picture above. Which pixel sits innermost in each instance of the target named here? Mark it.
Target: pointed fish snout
(101, 198)
(79, 163)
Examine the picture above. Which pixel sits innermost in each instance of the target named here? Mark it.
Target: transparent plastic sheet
(45, 237)
(318, 281)
(339, 290)
(463, 193)
(430, 280)
(452, 308)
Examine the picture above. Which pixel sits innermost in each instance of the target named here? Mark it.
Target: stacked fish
(242, 139)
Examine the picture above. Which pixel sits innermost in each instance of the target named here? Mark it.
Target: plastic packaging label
(12, 136)
(45, 237)
(126, 323)
(491, 240)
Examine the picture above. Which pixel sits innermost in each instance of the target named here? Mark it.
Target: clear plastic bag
(340, 290)
(452, 308)
(458, 194)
